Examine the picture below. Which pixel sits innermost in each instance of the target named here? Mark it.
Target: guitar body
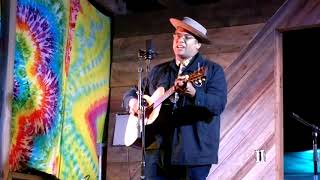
(133, 128)
(151, 112)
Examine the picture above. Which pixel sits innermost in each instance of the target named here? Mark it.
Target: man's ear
(198, 45)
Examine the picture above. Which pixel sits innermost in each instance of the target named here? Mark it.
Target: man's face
(185, 45)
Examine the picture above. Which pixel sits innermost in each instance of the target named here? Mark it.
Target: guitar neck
(197, 75)
(167, 94)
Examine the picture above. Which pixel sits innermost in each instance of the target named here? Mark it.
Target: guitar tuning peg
(198, 83)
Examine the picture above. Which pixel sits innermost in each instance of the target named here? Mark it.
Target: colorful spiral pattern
(37, 91)
(61, 87)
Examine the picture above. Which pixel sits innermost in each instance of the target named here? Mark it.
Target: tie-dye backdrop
(61, 87)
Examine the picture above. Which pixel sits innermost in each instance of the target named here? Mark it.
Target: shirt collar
(184, 63)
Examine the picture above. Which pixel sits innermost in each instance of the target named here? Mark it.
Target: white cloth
(181, 68)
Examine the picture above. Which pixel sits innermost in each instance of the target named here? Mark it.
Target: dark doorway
(301, 95)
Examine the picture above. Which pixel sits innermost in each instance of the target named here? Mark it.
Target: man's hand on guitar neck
(133, 106)
(183, 86)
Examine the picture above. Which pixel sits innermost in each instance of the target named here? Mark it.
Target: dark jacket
(192, 129)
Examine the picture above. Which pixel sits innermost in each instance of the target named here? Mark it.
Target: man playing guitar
(183, 109)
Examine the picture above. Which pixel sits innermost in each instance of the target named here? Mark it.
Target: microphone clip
(147, 54)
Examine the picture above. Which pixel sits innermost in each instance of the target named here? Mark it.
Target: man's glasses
(184, 36)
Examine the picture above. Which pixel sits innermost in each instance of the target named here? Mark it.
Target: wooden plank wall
(252, 119)
(213, 14)
(227, 44)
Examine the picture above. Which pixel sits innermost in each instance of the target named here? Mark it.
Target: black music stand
(315, 131)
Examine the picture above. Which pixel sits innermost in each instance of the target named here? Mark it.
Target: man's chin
(181, 54)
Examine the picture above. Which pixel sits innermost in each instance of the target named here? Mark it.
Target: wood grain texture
(226, 39)
(123, 171)
(213, 15)
(279, 108)
(254, 83)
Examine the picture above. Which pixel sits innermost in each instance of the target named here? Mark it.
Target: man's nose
(181, 39)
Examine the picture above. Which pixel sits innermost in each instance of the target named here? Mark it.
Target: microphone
(314, 127)
(149, 53)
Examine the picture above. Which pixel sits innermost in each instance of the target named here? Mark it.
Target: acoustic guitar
(153, 107)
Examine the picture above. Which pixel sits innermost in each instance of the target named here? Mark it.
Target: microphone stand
(148, 56)
(315, 131)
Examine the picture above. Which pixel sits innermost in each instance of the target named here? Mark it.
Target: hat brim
(178, 23)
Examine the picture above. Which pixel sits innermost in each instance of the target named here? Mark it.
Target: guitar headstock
(198, 77)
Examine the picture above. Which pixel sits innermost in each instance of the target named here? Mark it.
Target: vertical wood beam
(9, 49)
